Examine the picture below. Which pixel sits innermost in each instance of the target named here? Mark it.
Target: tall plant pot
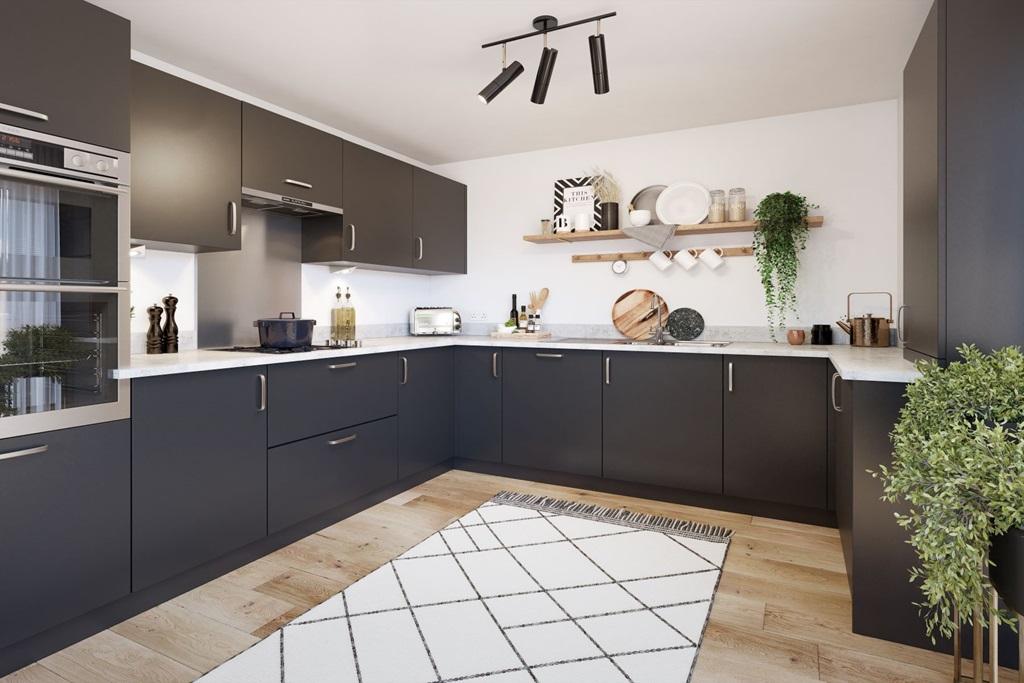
(610, 216)
(1007, 576)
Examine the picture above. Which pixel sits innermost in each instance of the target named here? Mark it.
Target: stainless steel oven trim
(123, 158)
(21, 425)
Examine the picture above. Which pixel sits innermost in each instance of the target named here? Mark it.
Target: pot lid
(286, 316)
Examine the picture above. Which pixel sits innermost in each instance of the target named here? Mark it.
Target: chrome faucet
(658, 331)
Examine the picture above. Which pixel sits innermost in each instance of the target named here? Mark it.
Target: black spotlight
(500, 82)
(547, 60)
(599, 62)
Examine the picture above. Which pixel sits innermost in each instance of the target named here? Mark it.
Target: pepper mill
(153, 335)
(169, 336)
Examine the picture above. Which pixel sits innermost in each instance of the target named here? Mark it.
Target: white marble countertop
(863, 364)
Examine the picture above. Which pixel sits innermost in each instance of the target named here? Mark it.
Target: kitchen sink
(646, 342)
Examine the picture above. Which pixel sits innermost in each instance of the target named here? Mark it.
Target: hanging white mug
(685, 259)
(712, 258)
(660, 260)
(581, 222)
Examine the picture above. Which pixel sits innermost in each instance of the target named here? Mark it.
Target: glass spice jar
(716, 212)
(737, 204)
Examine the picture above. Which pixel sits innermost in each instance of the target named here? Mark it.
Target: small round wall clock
(620, 267)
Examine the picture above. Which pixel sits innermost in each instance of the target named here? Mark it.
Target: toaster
(434, 320)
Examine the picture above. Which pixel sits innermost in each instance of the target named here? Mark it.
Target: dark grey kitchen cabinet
(775, 442)
(551, 409)
(963, 259)
(663, 420)
(66, 71)
(314, 475)
(376, 229)
(199, 469)
(64, 525)
(281, 156)
(426, 401)
(438, 222)
(186, 163)
(478, 403)
(320, 396)
(840, 436)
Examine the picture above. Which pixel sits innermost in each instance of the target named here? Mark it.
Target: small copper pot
(796, 337)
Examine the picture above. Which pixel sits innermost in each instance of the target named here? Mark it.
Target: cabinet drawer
(321, 396)
(64, 526)
(312, 476)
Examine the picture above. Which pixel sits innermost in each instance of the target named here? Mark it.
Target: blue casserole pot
(285, 331)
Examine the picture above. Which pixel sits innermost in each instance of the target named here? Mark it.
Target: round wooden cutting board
(633, 316)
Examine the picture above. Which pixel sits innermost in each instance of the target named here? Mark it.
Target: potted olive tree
(780, 236)
(958, 463)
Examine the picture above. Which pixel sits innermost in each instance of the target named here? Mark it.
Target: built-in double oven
(64, 299)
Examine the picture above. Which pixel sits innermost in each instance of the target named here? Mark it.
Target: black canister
(821, 334)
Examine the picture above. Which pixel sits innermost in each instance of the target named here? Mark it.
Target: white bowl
(503, 329)
(639, 217)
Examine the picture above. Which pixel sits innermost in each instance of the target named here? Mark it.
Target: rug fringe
(707, 532)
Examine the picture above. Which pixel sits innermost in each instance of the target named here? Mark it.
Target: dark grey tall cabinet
(963, 151)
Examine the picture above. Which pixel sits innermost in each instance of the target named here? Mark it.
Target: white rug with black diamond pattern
(523, 589)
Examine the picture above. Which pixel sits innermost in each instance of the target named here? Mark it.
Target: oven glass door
(58, 230)
(57, 348)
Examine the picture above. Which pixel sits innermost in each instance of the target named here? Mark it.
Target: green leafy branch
(781, 235)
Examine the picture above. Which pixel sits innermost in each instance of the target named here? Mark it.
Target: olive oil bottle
(343, 318)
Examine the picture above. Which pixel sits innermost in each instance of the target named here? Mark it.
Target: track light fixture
(544, 25)
(508, 74)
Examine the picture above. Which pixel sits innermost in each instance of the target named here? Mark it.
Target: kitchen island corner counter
(852, 363)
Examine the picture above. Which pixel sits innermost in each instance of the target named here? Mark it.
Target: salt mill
(170, 331)
(153, 335)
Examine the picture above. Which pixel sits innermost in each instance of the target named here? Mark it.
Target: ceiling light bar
(556, 27)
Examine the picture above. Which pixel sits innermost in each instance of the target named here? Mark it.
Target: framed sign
(574, 196)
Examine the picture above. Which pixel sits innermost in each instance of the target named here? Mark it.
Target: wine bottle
(514, 315)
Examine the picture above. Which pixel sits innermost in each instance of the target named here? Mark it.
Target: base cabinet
(478, 403)
(663, 420)
(551, 410)
(425, 401)
(199, 469)
(309, 477)
(775, 438)
(64, 526)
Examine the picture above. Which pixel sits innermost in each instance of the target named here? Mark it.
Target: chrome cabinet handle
(835, 406)
(232, 218)
(24, 451)
(80, 289)
(730, 377)
(352, 238)
(548, 355)
(298, 183)
(405, 370)
(899, 324)
(39, 116)
(494, 365)
(607, 369)
(419, 244)
(344, 439)
(341, 366)
(263, 393)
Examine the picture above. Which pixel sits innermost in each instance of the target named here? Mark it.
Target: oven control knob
(102, 166)
(77, 160)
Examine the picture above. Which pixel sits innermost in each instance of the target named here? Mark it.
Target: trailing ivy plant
(959, 466)
(781, 235)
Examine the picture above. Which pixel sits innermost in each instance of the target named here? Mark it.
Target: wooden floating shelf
(699, 229)
(644, 255)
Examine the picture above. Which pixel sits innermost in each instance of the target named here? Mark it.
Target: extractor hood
(290, 206)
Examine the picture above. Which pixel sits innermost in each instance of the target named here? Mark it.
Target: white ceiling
(404, 73)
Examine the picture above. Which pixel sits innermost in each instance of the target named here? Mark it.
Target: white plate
(683, 203)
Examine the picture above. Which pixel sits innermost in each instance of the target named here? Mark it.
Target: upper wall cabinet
(66, 71)
(186, 163)
(963, 148)
(438, 222)
(281, 156)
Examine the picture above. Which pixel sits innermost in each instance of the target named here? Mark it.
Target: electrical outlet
(478, 317)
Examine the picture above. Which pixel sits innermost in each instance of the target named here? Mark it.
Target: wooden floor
(782, 611)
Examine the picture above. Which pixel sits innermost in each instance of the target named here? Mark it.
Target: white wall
(380, 298)
(158, 274)
(843, 159)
